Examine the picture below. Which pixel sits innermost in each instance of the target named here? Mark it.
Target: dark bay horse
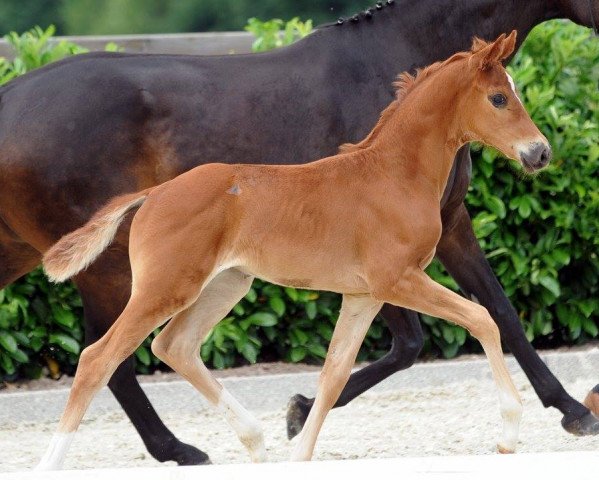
(76, 133)
(197, 241)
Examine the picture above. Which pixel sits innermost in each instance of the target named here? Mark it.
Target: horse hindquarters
(160, 290)
(104, 293)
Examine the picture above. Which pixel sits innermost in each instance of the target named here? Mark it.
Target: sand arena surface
(454, 419)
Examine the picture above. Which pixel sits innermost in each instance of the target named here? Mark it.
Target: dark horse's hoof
(298, 409)
(588, 424)
(182, 453)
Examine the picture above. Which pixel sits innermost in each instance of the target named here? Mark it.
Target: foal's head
(497, 116)
(484, 104)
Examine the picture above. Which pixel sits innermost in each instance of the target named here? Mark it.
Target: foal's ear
(487, 55)
(509, 44)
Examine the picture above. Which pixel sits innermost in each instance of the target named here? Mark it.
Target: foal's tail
(76, 250)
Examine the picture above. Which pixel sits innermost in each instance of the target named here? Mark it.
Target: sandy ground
(462, 418)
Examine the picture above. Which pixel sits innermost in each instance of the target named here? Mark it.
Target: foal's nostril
(545, 156)
(536, 157)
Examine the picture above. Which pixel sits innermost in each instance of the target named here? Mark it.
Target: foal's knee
(94, 369)
(482, 326)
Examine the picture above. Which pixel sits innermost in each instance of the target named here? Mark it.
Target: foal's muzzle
(536, 156)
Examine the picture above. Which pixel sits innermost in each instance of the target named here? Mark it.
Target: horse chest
(418, 235)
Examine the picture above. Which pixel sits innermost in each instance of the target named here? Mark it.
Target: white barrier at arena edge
(546, 466)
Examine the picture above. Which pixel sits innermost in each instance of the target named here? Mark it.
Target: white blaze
(513, 85)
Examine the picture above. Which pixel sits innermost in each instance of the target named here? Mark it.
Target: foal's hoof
(298, 409)
(504, 450)
(592, 401)
(185, 454)
(588, 424)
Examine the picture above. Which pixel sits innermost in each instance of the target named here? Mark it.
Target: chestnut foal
(364, 223)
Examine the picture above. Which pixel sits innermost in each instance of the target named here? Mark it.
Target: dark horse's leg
(464, 260)
(407, 342)
(105, 288)
(16, 257)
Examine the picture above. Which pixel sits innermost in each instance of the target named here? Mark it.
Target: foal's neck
(421, 137)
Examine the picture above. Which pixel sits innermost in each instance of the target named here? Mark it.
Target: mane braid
(361, 15)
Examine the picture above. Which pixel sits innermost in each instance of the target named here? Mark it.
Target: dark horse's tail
(76, 250)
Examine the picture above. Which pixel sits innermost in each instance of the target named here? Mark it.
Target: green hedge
(540, 233)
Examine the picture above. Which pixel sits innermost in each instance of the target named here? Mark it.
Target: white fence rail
(216, 43)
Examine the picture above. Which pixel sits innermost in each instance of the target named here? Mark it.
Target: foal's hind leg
(357, 313)
(178, 344)
(416, 291)
(98, 362)
(105, 288)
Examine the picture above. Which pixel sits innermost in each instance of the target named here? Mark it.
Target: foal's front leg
(416, 291)
(357, 313)
(461, 254)
(407, 338)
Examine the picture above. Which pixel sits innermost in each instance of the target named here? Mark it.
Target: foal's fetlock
(511, 412)
(252, 438)
(246, 426)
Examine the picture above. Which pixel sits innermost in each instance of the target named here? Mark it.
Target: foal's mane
(403, 85)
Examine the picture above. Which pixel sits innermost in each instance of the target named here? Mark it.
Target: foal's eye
(498, 100)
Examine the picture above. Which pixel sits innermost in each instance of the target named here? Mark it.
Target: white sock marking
(248, 429)
(511, 411)
(56, 452)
